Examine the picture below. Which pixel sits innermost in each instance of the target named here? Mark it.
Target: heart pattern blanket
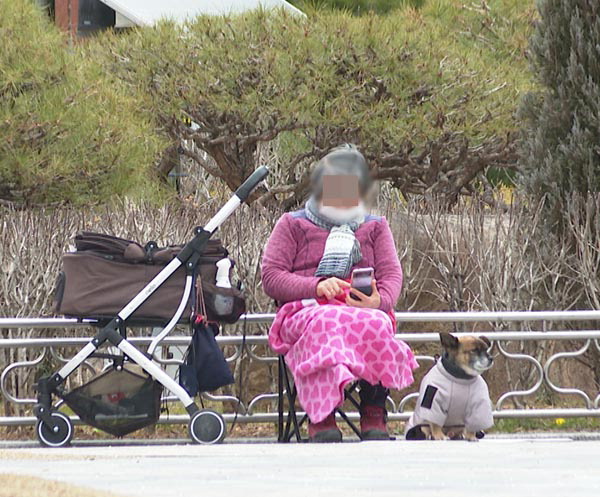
(327, 346)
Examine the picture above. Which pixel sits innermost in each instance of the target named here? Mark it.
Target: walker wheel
(207, 427)
(59, 435)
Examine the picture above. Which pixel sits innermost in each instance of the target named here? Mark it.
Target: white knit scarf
(342, 249)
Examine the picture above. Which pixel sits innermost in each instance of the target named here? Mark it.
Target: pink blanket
(328, 346)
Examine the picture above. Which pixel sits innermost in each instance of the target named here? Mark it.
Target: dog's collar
(454, 370)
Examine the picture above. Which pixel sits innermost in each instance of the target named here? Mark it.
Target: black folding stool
(287, 391)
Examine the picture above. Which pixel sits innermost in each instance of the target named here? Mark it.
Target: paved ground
(492, 467)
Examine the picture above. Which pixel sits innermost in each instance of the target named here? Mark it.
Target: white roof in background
(148, 12)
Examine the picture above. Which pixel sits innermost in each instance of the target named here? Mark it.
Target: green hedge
(67, 133)
(560, 150)
(358, 6)
(428, 94)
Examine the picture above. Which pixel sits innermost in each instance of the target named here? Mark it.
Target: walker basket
(117, 401)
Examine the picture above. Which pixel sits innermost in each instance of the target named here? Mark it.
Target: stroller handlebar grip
(244, 191)
(240, 195)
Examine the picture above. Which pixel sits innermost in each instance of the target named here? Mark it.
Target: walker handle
(241, 194)
(244, 191)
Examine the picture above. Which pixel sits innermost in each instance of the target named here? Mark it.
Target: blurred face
(340, 191)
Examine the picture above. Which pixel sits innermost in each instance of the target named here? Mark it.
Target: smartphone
(361, 280)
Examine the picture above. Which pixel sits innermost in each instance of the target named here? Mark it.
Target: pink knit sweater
(296, 246)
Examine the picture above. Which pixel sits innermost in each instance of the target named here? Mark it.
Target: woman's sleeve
(388, 271)
(278, 281)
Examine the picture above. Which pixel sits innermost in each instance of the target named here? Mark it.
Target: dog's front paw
(434, 432)
(469, 436)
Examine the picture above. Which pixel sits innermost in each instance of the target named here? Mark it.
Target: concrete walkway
(492, 467)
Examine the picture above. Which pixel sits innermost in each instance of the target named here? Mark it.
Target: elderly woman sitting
(329, 333)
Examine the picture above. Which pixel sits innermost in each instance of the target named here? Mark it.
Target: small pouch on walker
(224, 305)
(218, 303)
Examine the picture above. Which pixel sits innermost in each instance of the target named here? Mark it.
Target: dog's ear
(448, 340)
(485, 340)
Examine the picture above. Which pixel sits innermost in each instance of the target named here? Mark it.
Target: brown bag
(106, 272)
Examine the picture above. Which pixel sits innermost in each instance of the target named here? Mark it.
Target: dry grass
(472, 257)
(30, 486)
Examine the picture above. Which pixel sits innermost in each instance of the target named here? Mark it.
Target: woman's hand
(372, 302)
(331, 287)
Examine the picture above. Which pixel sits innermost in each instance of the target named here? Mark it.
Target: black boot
(373, 415)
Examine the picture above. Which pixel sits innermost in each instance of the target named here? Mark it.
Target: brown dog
(454, 401)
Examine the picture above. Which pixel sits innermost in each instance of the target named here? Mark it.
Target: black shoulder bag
(204, 368)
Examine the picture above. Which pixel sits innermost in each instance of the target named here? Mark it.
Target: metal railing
(535, 354)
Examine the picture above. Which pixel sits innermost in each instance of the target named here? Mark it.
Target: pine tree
(560, 150)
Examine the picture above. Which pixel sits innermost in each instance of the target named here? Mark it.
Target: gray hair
(342, 160)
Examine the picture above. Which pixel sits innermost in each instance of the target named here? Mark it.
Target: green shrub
(429, 95)
(560, 152)
(358, 6)
(66, 133)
